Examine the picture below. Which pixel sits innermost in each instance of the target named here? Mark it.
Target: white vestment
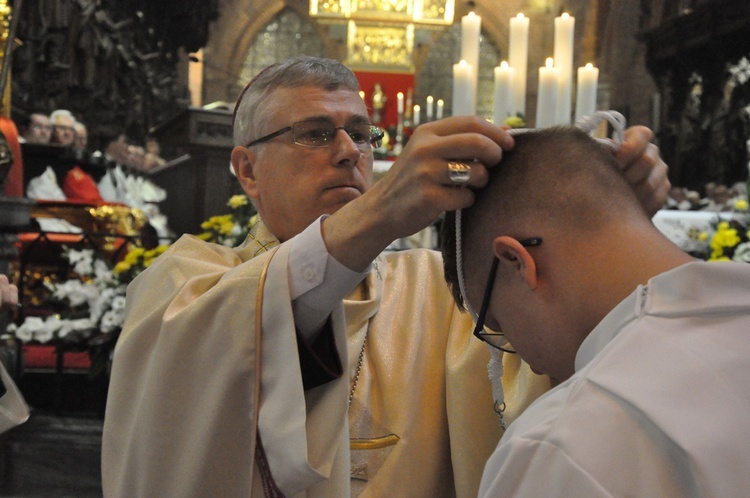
(658, 405)
(193, 383)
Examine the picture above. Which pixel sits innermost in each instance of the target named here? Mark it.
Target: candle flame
(400, 95)
(417, 108)
(504, 64)
(565, 15)
(520, 16)
(589, 66)
(550, 63)
(429, 98)
(440, 103)
(362, 94)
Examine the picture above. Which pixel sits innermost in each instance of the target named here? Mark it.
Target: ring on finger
(459, 173)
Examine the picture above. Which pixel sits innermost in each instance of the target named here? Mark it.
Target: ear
(243, 160)
(515, 257)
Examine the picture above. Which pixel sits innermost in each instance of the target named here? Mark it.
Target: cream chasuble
(189, 380)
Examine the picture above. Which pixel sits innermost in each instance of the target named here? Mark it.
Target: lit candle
(440, 106)
(518, 49)
(471, 26)
(400, 103)
(417, 110)
(564, 28)
(503, 92)
(463, 78)
(429, 108)
(545, 103)
(588, 78)
(362, 94)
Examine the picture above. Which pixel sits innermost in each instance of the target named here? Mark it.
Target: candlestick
(503, 92)
(429, 108)
(471, 25)
(588, 78)
(463, 79)
(440, 106)
(518, 59)
(564, 28)
(545, 103)
(417, 110)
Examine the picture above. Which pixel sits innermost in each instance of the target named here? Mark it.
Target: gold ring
(459, 173)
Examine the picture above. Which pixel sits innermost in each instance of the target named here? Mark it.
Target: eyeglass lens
(320, 133)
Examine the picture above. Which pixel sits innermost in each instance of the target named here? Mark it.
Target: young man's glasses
(494, 338)
(322, 134)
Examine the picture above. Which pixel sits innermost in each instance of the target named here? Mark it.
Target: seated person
(63, 132)
(35, 130)
(81, 140)
(649, 345)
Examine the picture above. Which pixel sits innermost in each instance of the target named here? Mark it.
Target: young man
(302, 361)
(648, 344)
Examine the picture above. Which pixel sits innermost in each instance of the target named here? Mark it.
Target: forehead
(39, 118)
(287, 105)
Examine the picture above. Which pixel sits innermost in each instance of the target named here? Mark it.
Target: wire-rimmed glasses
(319, 133)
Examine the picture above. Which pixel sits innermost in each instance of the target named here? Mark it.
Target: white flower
(28, 328)
(69, 327)
(51, 325)
(111, 321)
(741, 72)
(118, 303)
(82, 261)
(742, 253)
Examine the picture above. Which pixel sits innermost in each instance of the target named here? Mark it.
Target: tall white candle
(400, 103)
(503, 92)
(440, 107)
(429, 108)
(417, 110)
(463, 79)
(471, 26)
(545, 103)
(588, 79)
(518, 49)
(564, 29)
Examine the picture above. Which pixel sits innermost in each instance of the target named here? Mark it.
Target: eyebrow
(356, 119)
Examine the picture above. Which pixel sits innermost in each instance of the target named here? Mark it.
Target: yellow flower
(205, 236)
(515, 122)
(121, 267)
(134, 255)
(237, 200)
(703, 236)
(741, 205)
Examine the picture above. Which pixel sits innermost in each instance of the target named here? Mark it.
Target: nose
(345, 152)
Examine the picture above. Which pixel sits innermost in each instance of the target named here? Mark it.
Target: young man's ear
(515, 257)
(242, 162)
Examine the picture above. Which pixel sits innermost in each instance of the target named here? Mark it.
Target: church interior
(117, 120)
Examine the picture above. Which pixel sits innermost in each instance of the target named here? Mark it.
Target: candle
(518, 59)
(588, 77)
(400, 103)
(545, 103)
(440, 106)
(503, 92)
(362, 94)
(417, 110)
(564, 28)
(429, 108)
(471, 25)
(463, 79)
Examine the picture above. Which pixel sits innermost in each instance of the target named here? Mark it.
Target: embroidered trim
(270, 489)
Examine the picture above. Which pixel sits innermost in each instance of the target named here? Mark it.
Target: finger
(637, 139)
(654, 190)
(645, 166)
(462, 125)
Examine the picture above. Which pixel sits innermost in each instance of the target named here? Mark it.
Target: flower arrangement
(731, 240)
(135, 262)
(230, 229)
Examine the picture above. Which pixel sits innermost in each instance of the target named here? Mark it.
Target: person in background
(37, 130)
(81, 140)
(13, 409)
(63, 131)
(649, 346)
(304, 361)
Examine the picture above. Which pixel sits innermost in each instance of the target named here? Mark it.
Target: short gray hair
(328, 74)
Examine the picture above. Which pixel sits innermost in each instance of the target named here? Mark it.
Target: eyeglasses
(496, 338)
(322, 133)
